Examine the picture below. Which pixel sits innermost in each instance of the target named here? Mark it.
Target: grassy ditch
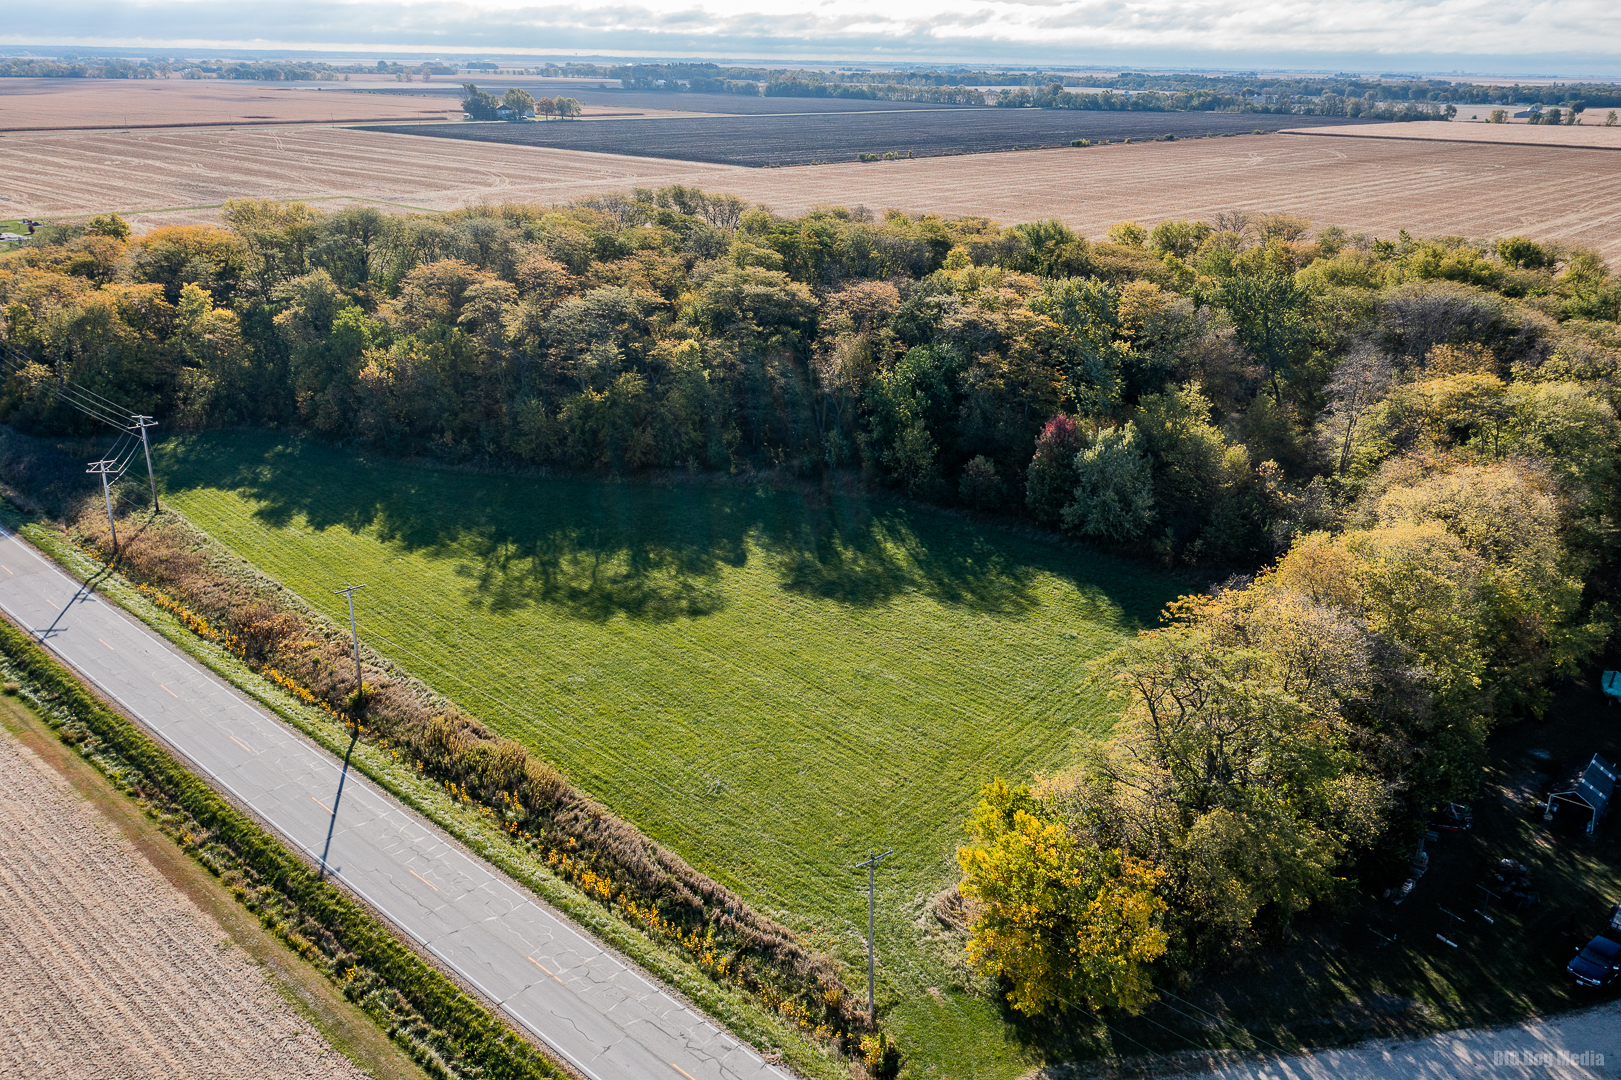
(447, 1033)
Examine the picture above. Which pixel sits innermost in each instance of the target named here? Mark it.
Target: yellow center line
(166, 690)
(682, 1071)
(53, 605)
(424, 880)
(8, 569)
(541, 966)
(242, 744)
(109, 647)
(319, 803)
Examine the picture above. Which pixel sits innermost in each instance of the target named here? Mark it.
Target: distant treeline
(950, 86)
(73, 67)
(29, 68)
(1335, 96)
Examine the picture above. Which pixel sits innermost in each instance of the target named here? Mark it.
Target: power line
(87, 401)
(1218, 1019)
(1108, 1026)
(17, 358)
(97, 397)
(98, 407)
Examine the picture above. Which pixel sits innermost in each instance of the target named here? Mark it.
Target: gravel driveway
(1575, 1046)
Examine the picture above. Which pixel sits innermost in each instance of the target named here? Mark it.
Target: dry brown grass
(1369, 185)
(100, 104)
(110, 970)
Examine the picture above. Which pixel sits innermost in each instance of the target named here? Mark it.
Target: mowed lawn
(772, 683)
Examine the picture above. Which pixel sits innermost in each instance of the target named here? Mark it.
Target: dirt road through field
(111, 972)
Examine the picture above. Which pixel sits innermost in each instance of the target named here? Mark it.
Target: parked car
(1598, 964)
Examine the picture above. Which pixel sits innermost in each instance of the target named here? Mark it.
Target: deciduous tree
(1065, 924)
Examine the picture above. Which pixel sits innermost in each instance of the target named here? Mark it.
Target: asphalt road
(602, 1016)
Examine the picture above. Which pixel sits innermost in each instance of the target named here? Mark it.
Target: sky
(1572, 38)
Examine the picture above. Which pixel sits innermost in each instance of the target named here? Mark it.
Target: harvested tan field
(1369, 185)
(110, 972)
(98, 104)
(57, 104)
(61, 176)
(1516, 134)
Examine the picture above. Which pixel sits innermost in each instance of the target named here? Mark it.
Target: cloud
(1372, 33)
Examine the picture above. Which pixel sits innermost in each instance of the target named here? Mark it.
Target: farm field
(36, 105)
(610, 97)
(112, 971)
(1367, 185)
(769, 682)
(56, 104)
(1518, 134)
(820, 138)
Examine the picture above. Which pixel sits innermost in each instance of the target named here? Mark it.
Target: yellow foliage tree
(1065, 923)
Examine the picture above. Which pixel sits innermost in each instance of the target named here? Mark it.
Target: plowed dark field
(811, 138)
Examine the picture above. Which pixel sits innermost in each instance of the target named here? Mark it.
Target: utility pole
(104, 469)
(141, 424)
(349, 591)
(354, 732)
(872, 867)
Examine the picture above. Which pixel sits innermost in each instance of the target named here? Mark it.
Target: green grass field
(771, 683)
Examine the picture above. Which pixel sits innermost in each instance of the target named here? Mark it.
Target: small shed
(1584, 804)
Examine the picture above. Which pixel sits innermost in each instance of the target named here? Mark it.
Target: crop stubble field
(44, 104)
(1574, 135)
(1370, 185)
(110, 971)
(769, 682)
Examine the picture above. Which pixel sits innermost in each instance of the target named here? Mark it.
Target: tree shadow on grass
(595, 549)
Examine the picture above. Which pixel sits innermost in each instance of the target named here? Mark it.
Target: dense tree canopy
(1406, 446)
